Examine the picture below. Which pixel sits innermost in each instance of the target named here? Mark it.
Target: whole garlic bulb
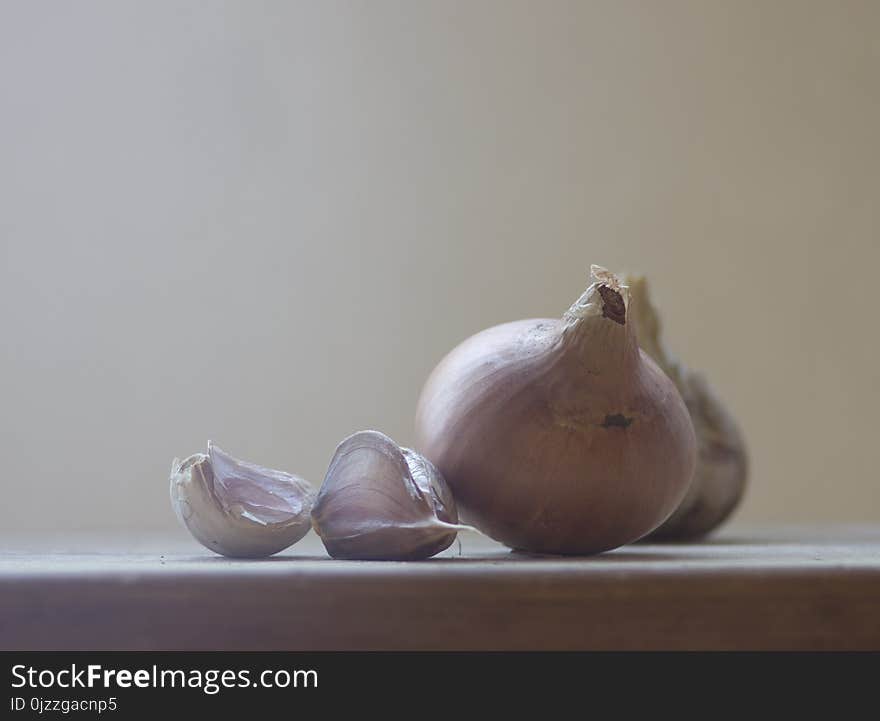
(239, 509)
(558, 435)
(722, 463)
(380, 501)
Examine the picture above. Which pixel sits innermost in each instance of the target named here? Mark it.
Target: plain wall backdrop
(265, 222)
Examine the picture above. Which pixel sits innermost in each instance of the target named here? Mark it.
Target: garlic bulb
(559, 435)
(380, 501)
(239, 509)
(722, 462)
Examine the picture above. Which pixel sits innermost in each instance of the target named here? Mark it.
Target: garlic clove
(721, 471)
(380, 501)
(239, 509)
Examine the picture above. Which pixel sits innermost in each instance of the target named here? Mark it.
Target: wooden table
(789, 588)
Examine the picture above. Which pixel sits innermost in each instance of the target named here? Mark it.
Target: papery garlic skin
(380, 501)
(559, 435)
(239, 509)
(721, 472)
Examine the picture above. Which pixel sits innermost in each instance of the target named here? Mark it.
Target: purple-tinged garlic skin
(721, 473)
(239, 509)
(382, 502)
(559, 435)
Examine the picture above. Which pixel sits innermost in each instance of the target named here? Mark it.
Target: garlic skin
(722, 461)
(239, 509)
(380, 501)
(559, 435)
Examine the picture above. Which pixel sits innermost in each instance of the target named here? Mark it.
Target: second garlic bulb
(720, 475)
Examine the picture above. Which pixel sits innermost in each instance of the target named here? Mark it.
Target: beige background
(265, 222)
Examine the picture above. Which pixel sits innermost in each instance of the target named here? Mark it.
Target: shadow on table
(504, 556)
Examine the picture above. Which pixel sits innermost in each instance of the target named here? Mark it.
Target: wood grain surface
(790, 588)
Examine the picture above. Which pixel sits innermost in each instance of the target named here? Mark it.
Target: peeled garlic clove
(383, 502)
(722, 463)
(239, 509)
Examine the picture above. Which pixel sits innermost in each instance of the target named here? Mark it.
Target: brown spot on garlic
(239, 509)
(380, 501)
(616, 420)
